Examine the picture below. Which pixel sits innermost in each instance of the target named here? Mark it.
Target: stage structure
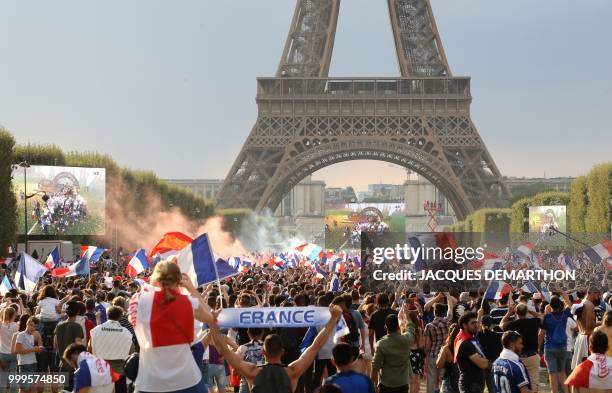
(308, 120)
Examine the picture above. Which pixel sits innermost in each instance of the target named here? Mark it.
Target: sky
(169, 86)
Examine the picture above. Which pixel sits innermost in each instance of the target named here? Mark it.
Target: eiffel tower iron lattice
(307, 120)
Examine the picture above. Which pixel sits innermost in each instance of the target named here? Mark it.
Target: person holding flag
(163, 320)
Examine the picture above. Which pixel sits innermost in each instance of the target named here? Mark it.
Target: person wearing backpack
(353, 337)
(555, 341)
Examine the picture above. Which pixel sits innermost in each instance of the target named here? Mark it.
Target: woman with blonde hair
(8, 360)
(163, 320)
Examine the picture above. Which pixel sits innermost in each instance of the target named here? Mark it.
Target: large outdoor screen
(60, 200)
(544, 218)
(368, 217)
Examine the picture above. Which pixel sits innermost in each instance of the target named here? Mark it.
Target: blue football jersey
(510, 376)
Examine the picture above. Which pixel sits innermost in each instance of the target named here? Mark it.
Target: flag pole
(214, 262)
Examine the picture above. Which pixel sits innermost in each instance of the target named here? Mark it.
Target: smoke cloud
(139, 220)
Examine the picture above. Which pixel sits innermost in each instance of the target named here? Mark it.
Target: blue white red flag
(200, 264)
(93, 372)
(79, 268)
(496, 290)
(92, 253)
(309, 250)
(529, 287)
(565, 262)
(53, 259)
(138, 264)
(29, 271)
(334, 285)
(320, 273)
(490, 261)
(600, 252)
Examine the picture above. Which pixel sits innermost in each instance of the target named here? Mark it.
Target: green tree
(599, 194)
(578, 204)
(8, 204)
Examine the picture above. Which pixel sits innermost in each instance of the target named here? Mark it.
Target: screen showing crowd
(60, 200)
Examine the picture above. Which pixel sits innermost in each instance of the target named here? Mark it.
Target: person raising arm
(273, 377)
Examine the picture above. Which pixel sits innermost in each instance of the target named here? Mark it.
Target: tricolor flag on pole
(309, 250)
(92, 253)
(334, 285)
(79, 268)
(600, 252)
(53, 259)
(565, 262)
(497, 290)
(171, 241)
(29, 271)
(5, 286)
(198, 261)
(529, 287)
(490, 261)
(138, 264)
(320, 273)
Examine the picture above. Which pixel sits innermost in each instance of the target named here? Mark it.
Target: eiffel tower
(307, 120)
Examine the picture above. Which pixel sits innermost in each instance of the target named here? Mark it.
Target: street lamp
(25, 165)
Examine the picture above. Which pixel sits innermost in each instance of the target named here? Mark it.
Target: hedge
(576, 210)
(599, 195)
(520, 209)
(8, 204)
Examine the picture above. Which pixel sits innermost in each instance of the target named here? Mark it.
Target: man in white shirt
(112, 342)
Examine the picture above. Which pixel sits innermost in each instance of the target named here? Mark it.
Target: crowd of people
(60, 210)
(159, 333)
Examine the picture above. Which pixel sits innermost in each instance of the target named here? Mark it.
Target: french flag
(234, 262)
(309, 250)
(138, 264)
(529, 287)
(92, 372)
(594, 373)
(79, 268)
(53, 259)
(526, 249)
(320, 273)
(497, 290)
(198, 261)
(334, 285)
(565, 262)
(92, 253)
(171, 241)
(600, 252)
(490, 261)
(29, 271)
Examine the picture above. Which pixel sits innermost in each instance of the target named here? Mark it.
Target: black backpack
(352, 325)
